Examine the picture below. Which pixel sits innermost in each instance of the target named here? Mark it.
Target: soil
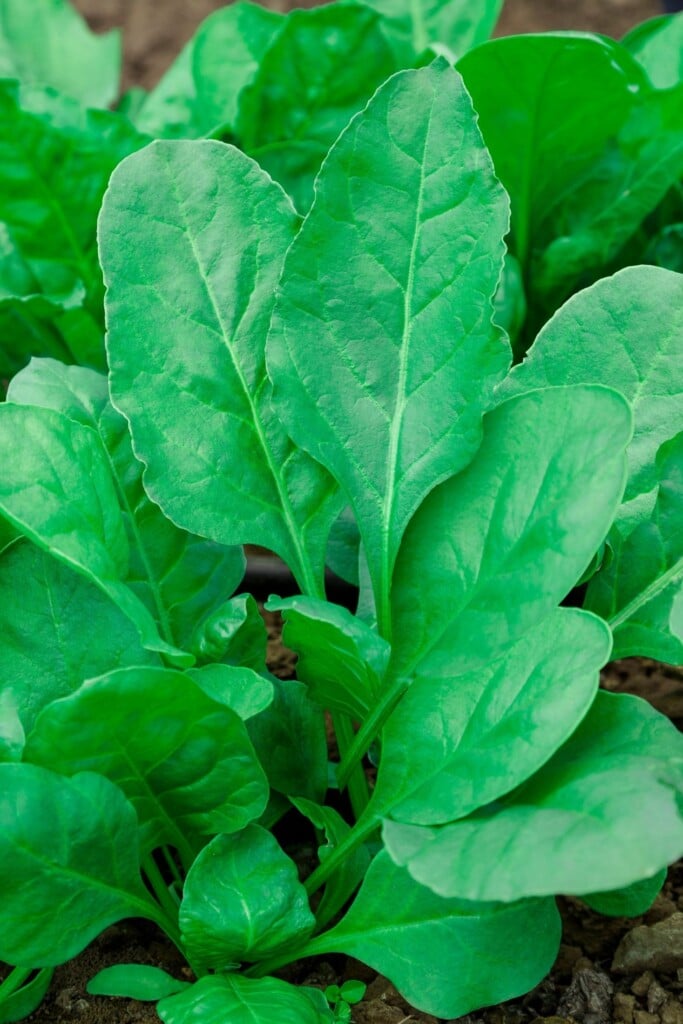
(644, 985)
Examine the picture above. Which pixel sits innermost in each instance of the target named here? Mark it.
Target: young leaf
(135, 981)
(241, 689)
(638, 591)
(234, 634)
(184, 761)
(614, 333)
(614, 785)
(341, 660)
(457, 24)
(445, 956)
(63, 53)
(505, 540)
(55, 161)
(69, 855)
(46, 653)
(200, 90)
(319, 70)
(245, 1001)
(453, 745)
(243, 901)
(26, 999)
(187, 327)
(657, 44)
(383, 361)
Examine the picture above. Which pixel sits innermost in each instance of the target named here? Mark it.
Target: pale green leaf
(458, 24)
(135, 981)
(657, 44)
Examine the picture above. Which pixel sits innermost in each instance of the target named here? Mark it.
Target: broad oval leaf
(319, 70)
(453, 745)
(341, 660)
(657, 44)
(505, 540)
(384, 361)
(456, 24)
(445, 956)
(187, 320)
(231, 997)
(70, 864)
(243, 900)
(45, 652)
(184, 761)
(615, 785)
(614, 333)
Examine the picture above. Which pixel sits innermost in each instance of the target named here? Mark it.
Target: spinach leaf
(457, 24)
(135, 981)
(246, 1001)
(657, 45)
(195, 317)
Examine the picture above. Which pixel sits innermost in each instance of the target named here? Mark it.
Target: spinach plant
(273, 371)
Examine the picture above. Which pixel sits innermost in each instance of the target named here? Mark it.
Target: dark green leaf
(243, 900)
(184, 761)
(341, 660)
(615, 785)
(245, 1001)
(504, 541)
(320, 70)
(187, 326)
(383, 360)
(445, 956)
(135, 981)
(46, 42)
(632, 901)
(69, 855)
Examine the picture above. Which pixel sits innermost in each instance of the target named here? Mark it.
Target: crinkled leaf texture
(187, 327)
(185, 762)
(614, 785)
(245, 1001)
(446, 956)
(70, 864)
(243, 900)
(382, 348)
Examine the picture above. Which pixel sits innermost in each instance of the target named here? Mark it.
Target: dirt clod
(623, 1007)
(589, 997)
(657, 947)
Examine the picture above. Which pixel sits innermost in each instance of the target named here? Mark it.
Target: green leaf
(62, 52)
(55, 161)
(614, 333)
(135, 981)
(201, 88)
(34, 325)
(289, 737)
(458, 24)
(12, 736)
(632, 901)
(234, 633)
(241, 689)
(180, 578)
(445, 956)
(369, 332)
(638, 589)
(243, 900)
(25, 1000)
(341, 660)
(505, 540)
(245, 1001)
(341, 885)
(615, 785)
(187, 328)
(657, 44)
(57, 488)
(184, 761)
(455, 744)
(320, 70)
(69, 855)
(45, 652)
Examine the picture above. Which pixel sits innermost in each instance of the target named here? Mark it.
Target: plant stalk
(369, 731)
(14, 980)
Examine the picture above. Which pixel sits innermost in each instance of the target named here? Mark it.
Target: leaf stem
(167, 902)
(361, 831)
(14, 980)
(655, 588)
(359, 792)
(369, 731)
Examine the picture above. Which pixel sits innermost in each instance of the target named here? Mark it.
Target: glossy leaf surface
(246, 1001)
(445, 956)
(341, 660)
(242, 901)
(320, 70)
(506, 540)
(184, 761)
(484, 732)
(134, 981)
(614, 785)
(383, 360)
(187, 327)
(657, 45)
(64, 54)
(239, 688)
(70, 864)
